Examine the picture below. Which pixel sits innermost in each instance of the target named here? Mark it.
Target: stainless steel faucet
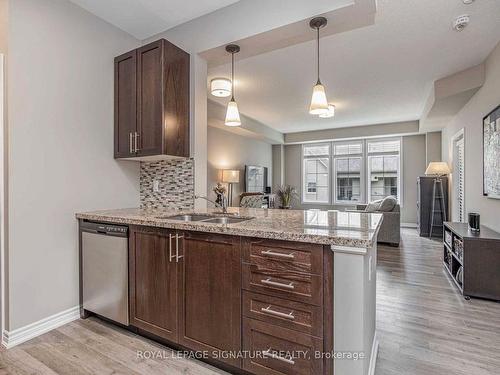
(222, 206)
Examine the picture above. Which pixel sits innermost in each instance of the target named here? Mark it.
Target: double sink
(208, 218)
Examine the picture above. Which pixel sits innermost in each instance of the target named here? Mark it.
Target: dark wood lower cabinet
(210, 302)
(200, 292)
(153, 282)
(280, 351)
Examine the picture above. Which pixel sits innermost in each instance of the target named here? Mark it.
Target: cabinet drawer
(284, 313)
(275, 350)
(296, 286)
(284, 255)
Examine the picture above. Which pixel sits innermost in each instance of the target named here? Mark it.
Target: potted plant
(286, 194)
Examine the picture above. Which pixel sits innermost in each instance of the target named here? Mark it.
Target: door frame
(3, 196)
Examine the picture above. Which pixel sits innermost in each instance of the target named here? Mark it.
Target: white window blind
(460, 186)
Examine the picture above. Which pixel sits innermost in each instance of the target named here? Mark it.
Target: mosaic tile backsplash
(175, 181)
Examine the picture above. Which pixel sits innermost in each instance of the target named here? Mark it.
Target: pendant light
(220, 87)
(319, 104)
(232, 114)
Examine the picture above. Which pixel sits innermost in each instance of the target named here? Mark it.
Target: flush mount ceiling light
(467, 2)
(319, 104)
(232, 114)
(220, 87)
(330, 112)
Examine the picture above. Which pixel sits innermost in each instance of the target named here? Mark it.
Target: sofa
(390, 230)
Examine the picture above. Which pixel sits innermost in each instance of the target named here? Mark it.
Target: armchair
(390, 230)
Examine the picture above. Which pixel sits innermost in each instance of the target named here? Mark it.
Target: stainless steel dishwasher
(105, 270)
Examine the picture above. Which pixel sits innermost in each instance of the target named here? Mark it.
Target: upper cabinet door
(125, 104)
(150, 94)
(176, 101)
(152, 102)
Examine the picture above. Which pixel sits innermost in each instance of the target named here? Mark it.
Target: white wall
(60, 103)
(227, 150)
(470, 118)
(413, 162)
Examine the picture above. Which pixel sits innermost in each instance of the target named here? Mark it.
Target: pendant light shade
(329, 113)
(319, 103)
(232, 113)
(220, 87)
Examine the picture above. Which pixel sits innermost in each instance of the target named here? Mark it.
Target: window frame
(303, 174)
(365, 188)
(362, 183)
(399, 154)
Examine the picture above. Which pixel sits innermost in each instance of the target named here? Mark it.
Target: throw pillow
(373, 206)
(388, 204)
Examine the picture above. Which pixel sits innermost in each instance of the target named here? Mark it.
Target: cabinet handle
(280, 255)
(269, 311)
(136, 148)
(269, 353)
(130, 143)
(268, 281)
(177, 256)
(170, 256)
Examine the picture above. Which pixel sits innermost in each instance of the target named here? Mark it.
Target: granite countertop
(311, 226)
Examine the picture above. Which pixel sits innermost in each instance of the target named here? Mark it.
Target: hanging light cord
(317, 30)
(232, 76)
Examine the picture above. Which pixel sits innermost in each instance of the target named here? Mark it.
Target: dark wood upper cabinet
(210, 294)
(125, 103)
(152, 102)
(153, 282)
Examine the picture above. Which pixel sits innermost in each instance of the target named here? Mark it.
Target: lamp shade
(319, 104)
(231, 176)
(437, 169)
(329, 113)
(220, 87)
(232, 114)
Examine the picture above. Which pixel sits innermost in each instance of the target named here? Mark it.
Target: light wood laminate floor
(424, 326)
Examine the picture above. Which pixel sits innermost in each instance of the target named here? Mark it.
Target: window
(316, 173)
(383, 169)
(362, 171)
(348, 160)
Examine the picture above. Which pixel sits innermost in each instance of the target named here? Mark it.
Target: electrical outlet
(156, 186)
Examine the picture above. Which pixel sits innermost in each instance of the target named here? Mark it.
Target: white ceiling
(144, 18)
(375, 74)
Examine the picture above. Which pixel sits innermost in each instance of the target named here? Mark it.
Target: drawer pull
(268, 310)
(276, 284)
(279, 255)
(270, 354)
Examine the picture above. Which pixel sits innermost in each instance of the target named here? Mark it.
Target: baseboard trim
(373, 355)
(409, 225)
(20, 335)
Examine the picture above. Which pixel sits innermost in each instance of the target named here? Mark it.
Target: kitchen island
(255, 291)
